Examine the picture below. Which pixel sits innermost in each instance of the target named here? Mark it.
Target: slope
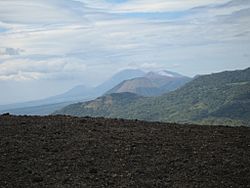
(112, 105)
(118, 78)
(152, 84)
(221, 98)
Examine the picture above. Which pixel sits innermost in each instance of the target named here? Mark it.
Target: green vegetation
(113, 105)
(221, 98)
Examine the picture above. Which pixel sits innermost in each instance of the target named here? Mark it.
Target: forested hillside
(221, 98)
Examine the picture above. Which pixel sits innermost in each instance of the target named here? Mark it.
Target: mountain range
(129, 80)
(76, 94)
(219, 98)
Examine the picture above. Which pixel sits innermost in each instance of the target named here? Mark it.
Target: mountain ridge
(206, 99)
(152, 84)
(79, 93)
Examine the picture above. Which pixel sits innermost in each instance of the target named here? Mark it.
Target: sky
(49, 46)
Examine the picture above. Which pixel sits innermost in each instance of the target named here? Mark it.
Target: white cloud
(146, 6)
(27, 69)
(65, 36)
(40, 11)
(10, 51)
(21, 76)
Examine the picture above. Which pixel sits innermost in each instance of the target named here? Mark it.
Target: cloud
(147, 5)
(49, 46)
(27, 69)
(66, 36)
(42, 11)
(10, 51)
(21, 76)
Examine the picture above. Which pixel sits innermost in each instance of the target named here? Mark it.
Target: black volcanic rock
(63, 151)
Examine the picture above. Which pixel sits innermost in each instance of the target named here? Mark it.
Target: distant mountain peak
(128, 74)
(154, 83)
(118, 78)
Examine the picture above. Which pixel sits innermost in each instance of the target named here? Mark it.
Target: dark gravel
(63, 151)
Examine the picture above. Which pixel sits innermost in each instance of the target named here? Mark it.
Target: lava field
(64, 151)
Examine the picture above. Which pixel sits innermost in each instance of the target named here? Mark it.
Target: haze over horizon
(49, 46)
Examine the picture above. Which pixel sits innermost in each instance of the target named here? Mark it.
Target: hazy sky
(48, 46)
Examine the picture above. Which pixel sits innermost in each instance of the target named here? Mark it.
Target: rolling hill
(220, 98)
(112, 105)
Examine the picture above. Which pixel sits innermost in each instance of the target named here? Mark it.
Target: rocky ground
(63, 151)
